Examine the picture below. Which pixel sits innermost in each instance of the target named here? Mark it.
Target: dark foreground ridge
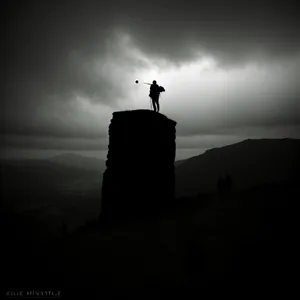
(139, 178)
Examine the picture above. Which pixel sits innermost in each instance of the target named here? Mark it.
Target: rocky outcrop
(139, 177)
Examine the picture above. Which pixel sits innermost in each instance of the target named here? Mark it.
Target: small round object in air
(136, 81)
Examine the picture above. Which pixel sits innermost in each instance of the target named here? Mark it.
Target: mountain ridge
(250, 162)
(77, 160)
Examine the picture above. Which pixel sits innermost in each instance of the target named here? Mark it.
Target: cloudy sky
(231, 71)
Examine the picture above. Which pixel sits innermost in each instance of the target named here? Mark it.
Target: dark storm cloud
(42, 35)
(51, 48)
(234, 31)
(43, 38)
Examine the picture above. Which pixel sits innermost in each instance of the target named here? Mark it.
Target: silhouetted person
(154, 94)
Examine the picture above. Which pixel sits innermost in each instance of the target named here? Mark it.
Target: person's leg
(157, 104)
(153, 104)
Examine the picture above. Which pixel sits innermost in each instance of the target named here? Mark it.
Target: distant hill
(249, 163)
(79, 161)
(32, 179)
(50, 190)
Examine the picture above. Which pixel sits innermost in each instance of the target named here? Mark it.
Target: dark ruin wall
(140, 177)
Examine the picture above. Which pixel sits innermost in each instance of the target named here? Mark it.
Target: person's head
(154, 82)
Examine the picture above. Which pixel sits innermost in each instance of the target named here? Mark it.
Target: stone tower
(139, 178)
